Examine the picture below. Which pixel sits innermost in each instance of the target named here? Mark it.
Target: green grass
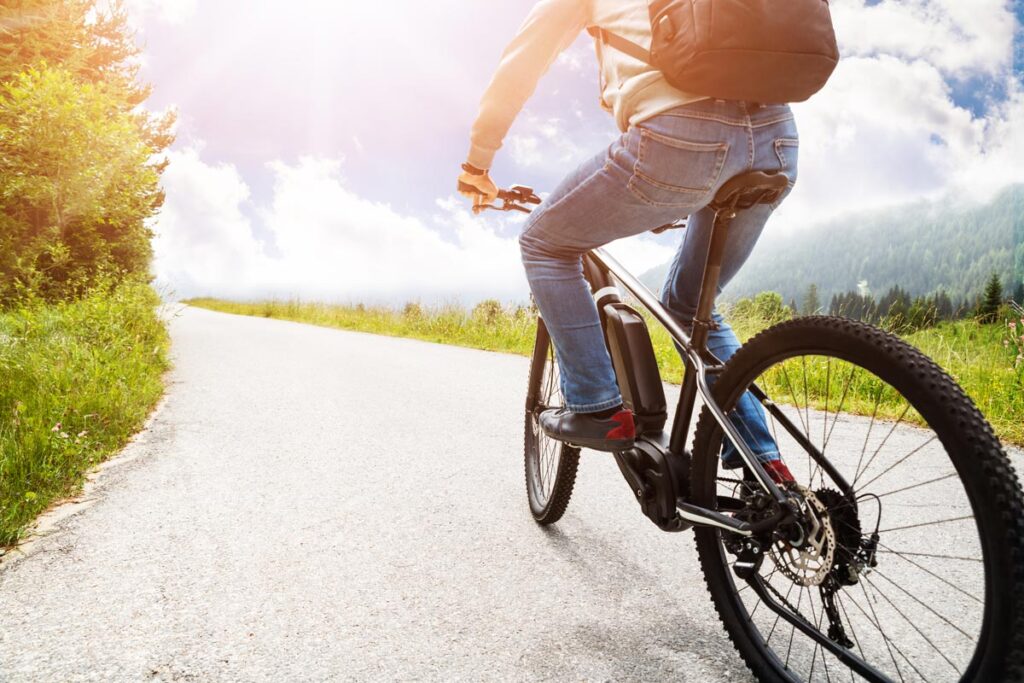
(976, 355)
(76, 381)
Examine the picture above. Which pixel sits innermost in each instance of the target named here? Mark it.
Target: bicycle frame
(603, 272)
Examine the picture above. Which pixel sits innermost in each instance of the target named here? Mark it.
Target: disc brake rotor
(808, 562)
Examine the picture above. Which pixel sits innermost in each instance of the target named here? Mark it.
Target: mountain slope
(921, 247)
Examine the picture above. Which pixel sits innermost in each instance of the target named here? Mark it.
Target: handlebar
(511, 199)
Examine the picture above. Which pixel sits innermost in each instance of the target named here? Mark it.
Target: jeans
(659, 171)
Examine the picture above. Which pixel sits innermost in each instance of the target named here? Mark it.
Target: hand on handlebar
(480, 188)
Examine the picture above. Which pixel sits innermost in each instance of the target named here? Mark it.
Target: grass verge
(979, 357)
(76, 381)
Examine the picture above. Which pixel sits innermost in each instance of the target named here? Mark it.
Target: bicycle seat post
(739, 193)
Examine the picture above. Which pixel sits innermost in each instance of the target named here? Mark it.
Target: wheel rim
(547, 452)
(917, 615)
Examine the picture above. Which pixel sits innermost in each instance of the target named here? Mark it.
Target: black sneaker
(612, 434)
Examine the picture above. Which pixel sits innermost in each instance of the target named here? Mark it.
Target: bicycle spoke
(931, 573)
(900, 461)
(779, 616)
(944, 557)
(828, 387)
(888, 639)
(867, 437)
(842, 401)
(874, 622)
(879, 449)
(849, 623)
(923, 604)
(912, 624)
(921, 524)
(914, 486)
(792, 394)
(792, 633)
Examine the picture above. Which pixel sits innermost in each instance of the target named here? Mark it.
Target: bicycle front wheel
(908, 560)
(550, 465)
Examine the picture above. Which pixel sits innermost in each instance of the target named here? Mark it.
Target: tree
(988, 309)
(77, 185)
(90, 39)
(79, 164)
(943, 305)
(812, 303)
(1018, 293)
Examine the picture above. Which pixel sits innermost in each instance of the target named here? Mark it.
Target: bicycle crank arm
(698, 516)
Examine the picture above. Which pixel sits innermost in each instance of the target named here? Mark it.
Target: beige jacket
(633, 91)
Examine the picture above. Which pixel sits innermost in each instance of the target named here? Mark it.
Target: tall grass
(77, 379)
(978, 356)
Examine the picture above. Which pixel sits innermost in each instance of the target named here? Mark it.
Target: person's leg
(773, 145)
(680, 296)
(593, 206)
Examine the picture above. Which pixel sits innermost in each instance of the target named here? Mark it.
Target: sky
(319, 141)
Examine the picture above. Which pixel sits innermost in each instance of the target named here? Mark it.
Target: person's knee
(533, 246)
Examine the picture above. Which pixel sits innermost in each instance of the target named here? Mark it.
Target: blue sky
(319, 141)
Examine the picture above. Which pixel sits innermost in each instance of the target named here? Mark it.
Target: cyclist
(675, 151)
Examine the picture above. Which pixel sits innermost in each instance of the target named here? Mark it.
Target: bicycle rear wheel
(550, 465)
(912, 555)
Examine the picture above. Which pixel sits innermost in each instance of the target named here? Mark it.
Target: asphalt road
(310, 504)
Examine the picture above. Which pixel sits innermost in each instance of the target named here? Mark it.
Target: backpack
(765, 51)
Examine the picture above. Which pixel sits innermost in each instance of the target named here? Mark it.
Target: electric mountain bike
(897, 555)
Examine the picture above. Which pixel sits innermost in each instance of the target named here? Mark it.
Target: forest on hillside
(923, 248)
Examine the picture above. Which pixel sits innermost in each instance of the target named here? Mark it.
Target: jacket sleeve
(549, 29)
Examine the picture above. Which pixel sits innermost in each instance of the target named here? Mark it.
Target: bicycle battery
(636, 367)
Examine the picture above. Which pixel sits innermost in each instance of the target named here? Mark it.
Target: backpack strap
(619, 43)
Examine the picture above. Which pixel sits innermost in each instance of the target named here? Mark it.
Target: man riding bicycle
(676, 151)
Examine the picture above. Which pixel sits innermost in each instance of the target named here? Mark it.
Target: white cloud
(537, 141)
(960, 38)
(329, 243)
(886, 130)
(204, 242)
(641, 253)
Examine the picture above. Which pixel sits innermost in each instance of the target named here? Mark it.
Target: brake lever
(506, 206)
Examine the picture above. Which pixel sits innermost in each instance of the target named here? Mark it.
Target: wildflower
(82, 433)
(56, 427)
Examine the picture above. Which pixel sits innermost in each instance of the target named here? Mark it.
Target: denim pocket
(788, 152)
(674, 172)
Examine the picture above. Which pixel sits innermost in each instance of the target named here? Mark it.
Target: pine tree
(812, 303)
(1018, 293)
(988, 309)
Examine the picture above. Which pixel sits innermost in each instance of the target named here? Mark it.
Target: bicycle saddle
(748, 190)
